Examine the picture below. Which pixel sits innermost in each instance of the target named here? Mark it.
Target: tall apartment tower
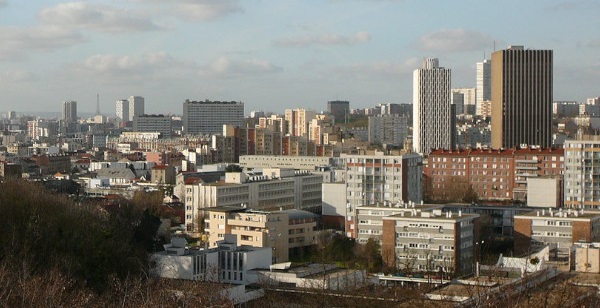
(69, 111)
(136, 106)
(298, 120)
(484, 84)
(434, 122)
(521, 97)
(122, 108)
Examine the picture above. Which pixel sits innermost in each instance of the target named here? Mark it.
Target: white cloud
(226, 67)
(325, 39)
(97, 17)
(200, 10)
(454, 40)
(137, 65)
(378, 70)
(16, 76)
(17, 42)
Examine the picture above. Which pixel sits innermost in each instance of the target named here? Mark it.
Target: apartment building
(582, 173)
(375, 179)
(153, 123)
(284, 231)
(208, 117)
(370, 218)
(430, 241)
(557, 228)
(493, 174)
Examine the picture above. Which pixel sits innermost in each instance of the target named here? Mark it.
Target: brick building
(493, 174)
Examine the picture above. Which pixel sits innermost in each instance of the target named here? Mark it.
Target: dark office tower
(521, 97)
(339, 110)
(69, 111)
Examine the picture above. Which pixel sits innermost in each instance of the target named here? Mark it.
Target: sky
(274, 55)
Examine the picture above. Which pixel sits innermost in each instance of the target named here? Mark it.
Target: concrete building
(370, 218)
(271, 190)
(557, 228)
(388, 129)
(227, 263)
(208, 117)
(562, 109)
(122, 110)
(339, 110)
(469, 100)
(522, 81)
(295, 162)
(153, 123)
(69, 111)
(285, 232)
(545, 192)
(314, 276)
(484, 84)
(433, 114)
(298, 121)
(136, 107)
(458, 100)
(587, 257)
(162, 174)
(375, 179)
(430, 241)
(582, 172)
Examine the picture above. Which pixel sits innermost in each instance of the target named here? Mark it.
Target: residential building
(208, 117)
(153, 123)
(559, 229)
(433, 114)
(562, 109)
(492, 174)
(430, 241)
(285, 232)
(522, 81)
(375, 179)
(484, 84)
(370, 218)
(388, 129)
(122, 110)
(298, 120)
(274, 161)
(136, 107)
(582, 172)
(162, 174)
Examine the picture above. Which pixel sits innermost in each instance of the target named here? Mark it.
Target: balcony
(526, 161)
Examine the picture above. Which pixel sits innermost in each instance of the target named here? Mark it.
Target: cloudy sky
(274, 55)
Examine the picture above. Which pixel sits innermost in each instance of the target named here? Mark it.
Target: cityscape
(123, 183)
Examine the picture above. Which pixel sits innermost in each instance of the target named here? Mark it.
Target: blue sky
(274, 55)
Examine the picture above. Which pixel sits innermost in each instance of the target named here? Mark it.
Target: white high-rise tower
(434, 121)
(123, 110)
(484, 84)
(136, 106)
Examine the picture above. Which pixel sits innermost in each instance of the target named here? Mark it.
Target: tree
(233, 168)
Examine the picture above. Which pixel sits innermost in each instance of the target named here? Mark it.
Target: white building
(273, 189)
(136, 106)
(381, 179)
(582, 173)
(388, 129)
(209, 117)
(433, 114)
(484, 83)
(228, 263)
(122, 109)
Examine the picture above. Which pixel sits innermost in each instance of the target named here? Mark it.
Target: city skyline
(268, 55)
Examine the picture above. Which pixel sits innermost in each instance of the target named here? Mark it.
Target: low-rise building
(287, 231)
(557, 228)
(430, 241)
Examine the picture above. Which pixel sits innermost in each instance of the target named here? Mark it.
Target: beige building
(285, 231)
(587, 257)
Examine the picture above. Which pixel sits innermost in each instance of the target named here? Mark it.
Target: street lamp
(478, 245)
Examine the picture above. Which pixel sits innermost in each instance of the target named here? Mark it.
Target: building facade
(339, 109)
(522, 81)
(582, 173)
(153, 123)
(122, 110)
(136, 107)
(484, 84)
(388, 129)
(433, 115)
(69, 111)
(207, 117)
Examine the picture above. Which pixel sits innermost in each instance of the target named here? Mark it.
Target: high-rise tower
(484, 84)
(433, 114)
(136, 106)
(122, 109)
(69, 111)
(521, 97)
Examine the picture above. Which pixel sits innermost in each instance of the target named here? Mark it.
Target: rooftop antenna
(98, 104)
(494, 45)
